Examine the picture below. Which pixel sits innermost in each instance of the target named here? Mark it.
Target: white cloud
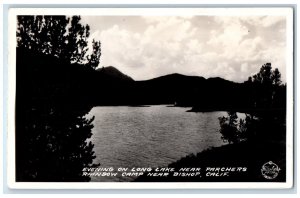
(159, 50)
(263, 21)
(230, 47)
(240, 47)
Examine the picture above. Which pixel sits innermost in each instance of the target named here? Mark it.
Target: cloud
(230, 47)
(263, 21)
(240, 44)
(160, 49)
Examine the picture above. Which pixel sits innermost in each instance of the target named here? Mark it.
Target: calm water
(150, 136)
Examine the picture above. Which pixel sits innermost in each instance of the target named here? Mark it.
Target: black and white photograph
(151, 96)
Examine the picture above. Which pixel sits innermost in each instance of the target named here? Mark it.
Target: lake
(152, 136)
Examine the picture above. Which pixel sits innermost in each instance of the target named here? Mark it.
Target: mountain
(108, 86)
(192, 91)
(112, 87)
(170, 89)
(114, 73)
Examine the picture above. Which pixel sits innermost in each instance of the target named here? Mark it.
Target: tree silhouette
(93, 59)
(53, 98)
(266, 118)
(276, 77)
(267, 89)
(60, 36)
(229, 129)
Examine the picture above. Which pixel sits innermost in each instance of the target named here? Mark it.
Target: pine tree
(60, 36)
(52, 132)
(267, 114)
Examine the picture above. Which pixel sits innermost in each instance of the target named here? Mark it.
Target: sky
(230, 47)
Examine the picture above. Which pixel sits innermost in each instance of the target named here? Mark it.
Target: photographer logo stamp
(270, 170)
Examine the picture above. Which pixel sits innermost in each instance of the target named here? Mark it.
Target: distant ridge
(176, 77)
(182, 90)
(114, 72)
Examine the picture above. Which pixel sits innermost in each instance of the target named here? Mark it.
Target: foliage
(267, 76)
(53, 98)
(234, 131)
(229, 128)
(267, 111)
(60, 36)
(267, 89)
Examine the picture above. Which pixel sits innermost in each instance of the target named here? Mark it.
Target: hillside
(114, 73)
(190, 91)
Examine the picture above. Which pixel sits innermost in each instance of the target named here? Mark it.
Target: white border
(13, 12)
